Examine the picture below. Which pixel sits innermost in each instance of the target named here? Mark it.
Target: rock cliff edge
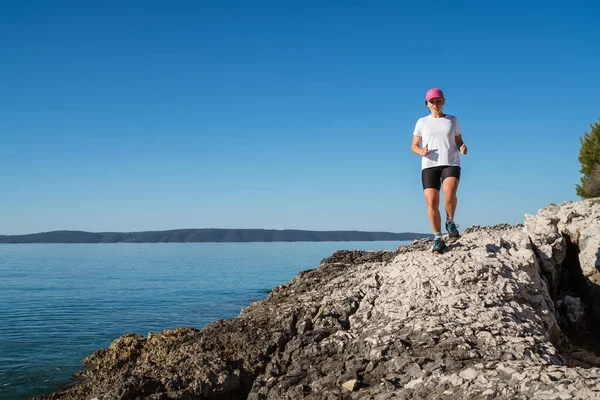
(507, 313)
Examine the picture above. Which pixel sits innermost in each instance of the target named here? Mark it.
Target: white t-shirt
(438, 134)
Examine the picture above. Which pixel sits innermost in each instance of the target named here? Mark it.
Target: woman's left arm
(460, 145)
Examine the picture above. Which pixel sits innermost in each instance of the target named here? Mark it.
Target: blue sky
(152, 115)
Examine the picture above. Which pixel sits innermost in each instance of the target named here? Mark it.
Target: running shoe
(438, 246)
(452, 229)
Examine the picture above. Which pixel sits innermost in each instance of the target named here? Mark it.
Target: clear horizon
(128, 116)
(183, 229)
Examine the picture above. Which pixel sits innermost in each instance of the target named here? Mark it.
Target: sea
(61, 302)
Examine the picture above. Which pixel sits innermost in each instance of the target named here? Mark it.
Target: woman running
(441, 138)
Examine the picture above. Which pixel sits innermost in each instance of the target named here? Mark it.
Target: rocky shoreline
(507, 313)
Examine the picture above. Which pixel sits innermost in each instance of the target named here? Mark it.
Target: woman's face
(435, 105)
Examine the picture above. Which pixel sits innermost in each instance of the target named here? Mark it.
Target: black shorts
(433, 177)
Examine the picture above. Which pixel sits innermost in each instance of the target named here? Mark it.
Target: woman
(440, 165)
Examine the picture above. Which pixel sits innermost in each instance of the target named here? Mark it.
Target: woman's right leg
(432, 198)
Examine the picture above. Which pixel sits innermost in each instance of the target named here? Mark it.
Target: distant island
(210, 235)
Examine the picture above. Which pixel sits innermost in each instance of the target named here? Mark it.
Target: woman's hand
(463, 149)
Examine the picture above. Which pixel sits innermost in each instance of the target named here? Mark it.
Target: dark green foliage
(208, 235)
(589, 157)
(591, 185)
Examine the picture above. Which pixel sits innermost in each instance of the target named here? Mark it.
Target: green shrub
(589, 157)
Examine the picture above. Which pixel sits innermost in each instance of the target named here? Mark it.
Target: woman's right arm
(416, 146)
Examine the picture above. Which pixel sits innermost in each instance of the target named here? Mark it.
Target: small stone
(519, 376)
(455, 380)
(545, 378)
(547, 396)
(555, 375)
(414, 383)
(350, 385)
(468, 374)
(482, 380)
(413, 370)
(507, 371)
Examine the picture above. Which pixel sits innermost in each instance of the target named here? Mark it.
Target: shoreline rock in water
(507, 313)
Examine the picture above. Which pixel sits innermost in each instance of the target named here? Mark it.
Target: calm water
(61, 302)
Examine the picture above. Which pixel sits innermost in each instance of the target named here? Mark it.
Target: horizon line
(193, 229)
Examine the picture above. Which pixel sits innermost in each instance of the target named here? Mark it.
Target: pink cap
(433, 93)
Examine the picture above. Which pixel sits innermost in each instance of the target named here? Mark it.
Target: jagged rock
(556, 227)
(477, 322)
(570, 311)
